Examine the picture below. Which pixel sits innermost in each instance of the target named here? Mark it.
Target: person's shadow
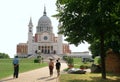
(48, 78)
(51, 78)
(43, 78)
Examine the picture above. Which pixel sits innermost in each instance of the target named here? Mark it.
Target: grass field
(6, 66)
(78, 62)
(6, 69)
(88, 77)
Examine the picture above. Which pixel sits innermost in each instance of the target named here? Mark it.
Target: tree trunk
(102, 55)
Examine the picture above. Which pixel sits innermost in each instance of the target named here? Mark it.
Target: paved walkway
(38, 75)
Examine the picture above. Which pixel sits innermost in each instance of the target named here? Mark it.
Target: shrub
(70, 60)
(65, 58)
(84, 67)
(36, 60)
(97, 60)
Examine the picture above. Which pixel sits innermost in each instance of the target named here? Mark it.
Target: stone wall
(112, 63)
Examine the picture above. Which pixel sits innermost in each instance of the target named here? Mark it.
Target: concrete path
(38, 75)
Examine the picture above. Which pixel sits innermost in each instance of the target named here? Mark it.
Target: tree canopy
(89, 20)
(85, 20)
(113, 45)
(3, 55)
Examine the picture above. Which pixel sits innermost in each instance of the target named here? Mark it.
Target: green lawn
(88, 77)
(6, 66)
(78, 62)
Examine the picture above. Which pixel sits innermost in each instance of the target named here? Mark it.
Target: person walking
(58, 65)
(16, 67)
(51, 67)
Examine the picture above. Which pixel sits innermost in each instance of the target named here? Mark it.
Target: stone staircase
(46, 57)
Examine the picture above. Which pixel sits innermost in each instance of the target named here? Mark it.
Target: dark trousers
(51, 70)
(58, 72)
(16, 71)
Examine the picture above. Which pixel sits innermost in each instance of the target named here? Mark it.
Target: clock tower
(30, 36)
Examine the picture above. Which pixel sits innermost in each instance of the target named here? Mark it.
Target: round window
(45, 37)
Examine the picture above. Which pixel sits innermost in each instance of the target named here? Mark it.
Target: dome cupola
(44, 23)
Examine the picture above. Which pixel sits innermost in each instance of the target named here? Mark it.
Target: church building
(44, 39)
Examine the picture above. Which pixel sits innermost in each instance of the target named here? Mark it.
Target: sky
(14, 19)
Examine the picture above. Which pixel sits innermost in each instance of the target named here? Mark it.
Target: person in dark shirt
(58, 65)
(16, 67)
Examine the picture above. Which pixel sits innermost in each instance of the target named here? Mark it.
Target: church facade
(44, 39)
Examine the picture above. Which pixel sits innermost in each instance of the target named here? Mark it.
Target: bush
(97, 60)
(70, 61)
(36, 60)
(65, 58)
(84, 67)
(39, 59)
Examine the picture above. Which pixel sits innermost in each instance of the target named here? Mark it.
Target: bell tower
(60, 45)
(30, 36)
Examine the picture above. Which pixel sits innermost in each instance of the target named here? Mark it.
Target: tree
(89, 20)
(95, 47)
(3, 55)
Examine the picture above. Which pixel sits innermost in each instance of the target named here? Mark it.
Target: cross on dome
(44, 13)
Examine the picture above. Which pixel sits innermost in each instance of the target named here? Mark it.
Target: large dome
(44, 23)
(44, 20)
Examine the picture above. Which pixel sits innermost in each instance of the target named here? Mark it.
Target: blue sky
(14, 19)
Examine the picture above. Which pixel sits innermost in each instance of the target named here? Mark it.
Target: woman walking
(51, 67)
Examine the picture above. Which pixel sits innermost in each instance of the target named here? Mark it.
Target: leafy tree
(115, 46)
(3, 55)
(95, 47)
(89, 20)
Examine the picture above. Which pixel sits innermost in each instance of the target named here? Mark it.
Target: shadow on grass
(99, 79)
(95, 79)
